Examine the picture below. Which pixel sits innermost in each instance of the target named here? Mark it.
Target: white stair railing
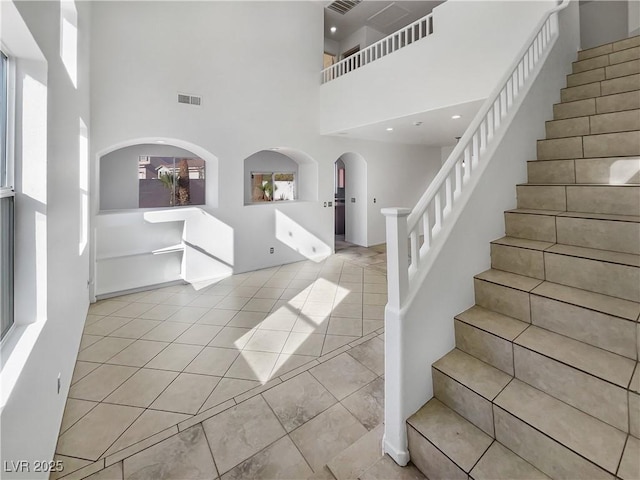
(406, 36)
(411, 234)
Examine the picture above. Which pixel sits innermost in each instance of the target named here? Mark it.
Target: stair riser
(619, 85)
(622, 144)
(579, 108)
(463, 401)
(431, 461)
(581, 92)
(551, 171)
(544, 453)
(542, 197)
(603, 199)
(572, 127)
(604, 331)
(507, 301)
(600, 234)
(623, 69)
(616, 171)
(522, 261)
(560, 148)
(620, 281)
(531, 227)
(580, 198)
(489, 348)
(583, 78)
(598, 398)
(616, 103)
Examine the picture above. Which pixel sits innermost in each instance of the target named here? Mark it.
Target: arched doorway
(350, 200)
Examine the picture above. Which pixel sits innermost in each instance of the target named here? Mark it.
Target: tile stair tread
(630, 464)
(591, 438)
(474, 374)
(522, 243)
(457, 438)
(601, 216)
(497, 324)
(591, 300)
(616, 60)
(628, 158)
(530, 211)
(585, 215)
(500, 463)
(600, 363)
(508, 279)
(630, 259)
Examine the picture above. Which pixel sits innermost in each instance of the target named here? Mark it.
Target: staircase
(544, 380)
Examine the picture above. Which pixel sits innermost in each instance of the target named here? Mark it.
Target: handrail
(436, 205)
(418, 30)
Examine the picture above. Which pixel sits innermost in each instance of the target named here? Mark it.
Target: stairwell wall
(427, 326)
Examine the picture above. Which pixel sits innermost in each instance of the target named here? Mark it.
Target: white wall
(119, 185)
(49, 217)
(393, 182)
(253, 100)
(604, 21)
(459, 63)
(633, 15)
(363, 37)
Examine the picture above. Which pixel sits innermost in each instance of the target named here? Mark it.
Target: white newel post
(395, 432)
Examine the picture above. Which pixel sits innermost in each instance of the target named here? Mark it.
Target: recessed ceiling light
(390, 129)
(417, 124)
(455, 117)
(160, 141)
(333, 29)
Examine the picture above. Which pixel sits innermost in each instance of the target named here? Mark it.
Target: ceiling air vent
(189, 99)
(343, 6)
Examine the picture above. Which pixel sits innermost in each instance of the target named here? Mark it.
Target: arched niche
(281, 160)
(118, 176)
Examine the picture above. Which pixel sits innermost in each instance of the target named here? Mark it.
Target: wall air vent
(343, 6)
(189, 99)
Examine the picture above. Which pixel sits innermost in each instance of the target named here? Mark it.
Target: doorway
(339, 202)
(350, 197)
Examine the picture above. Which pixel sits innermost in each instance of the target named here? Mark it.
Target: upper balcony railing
(406, 36)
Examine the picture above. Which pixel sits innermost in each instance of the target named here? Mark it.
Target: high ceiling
(382, 15)
(435, 128)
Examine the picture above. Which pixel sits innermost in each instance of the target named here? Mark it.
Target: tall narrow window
(6, 207)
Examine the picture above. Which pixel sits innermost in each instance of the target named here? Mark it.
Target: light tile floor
(267, 374)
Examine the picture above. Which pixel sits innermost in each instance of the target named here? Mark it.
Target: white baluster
(458, 189)
(426, 229)
(437, 202)
(448, 193)
(415, 250)
(467, 163)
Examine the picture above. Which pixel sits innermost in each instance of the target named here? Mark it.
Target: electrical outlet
(325, 204)
(331, 204)
(374, 200)
(271, 250)
(353, 200)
